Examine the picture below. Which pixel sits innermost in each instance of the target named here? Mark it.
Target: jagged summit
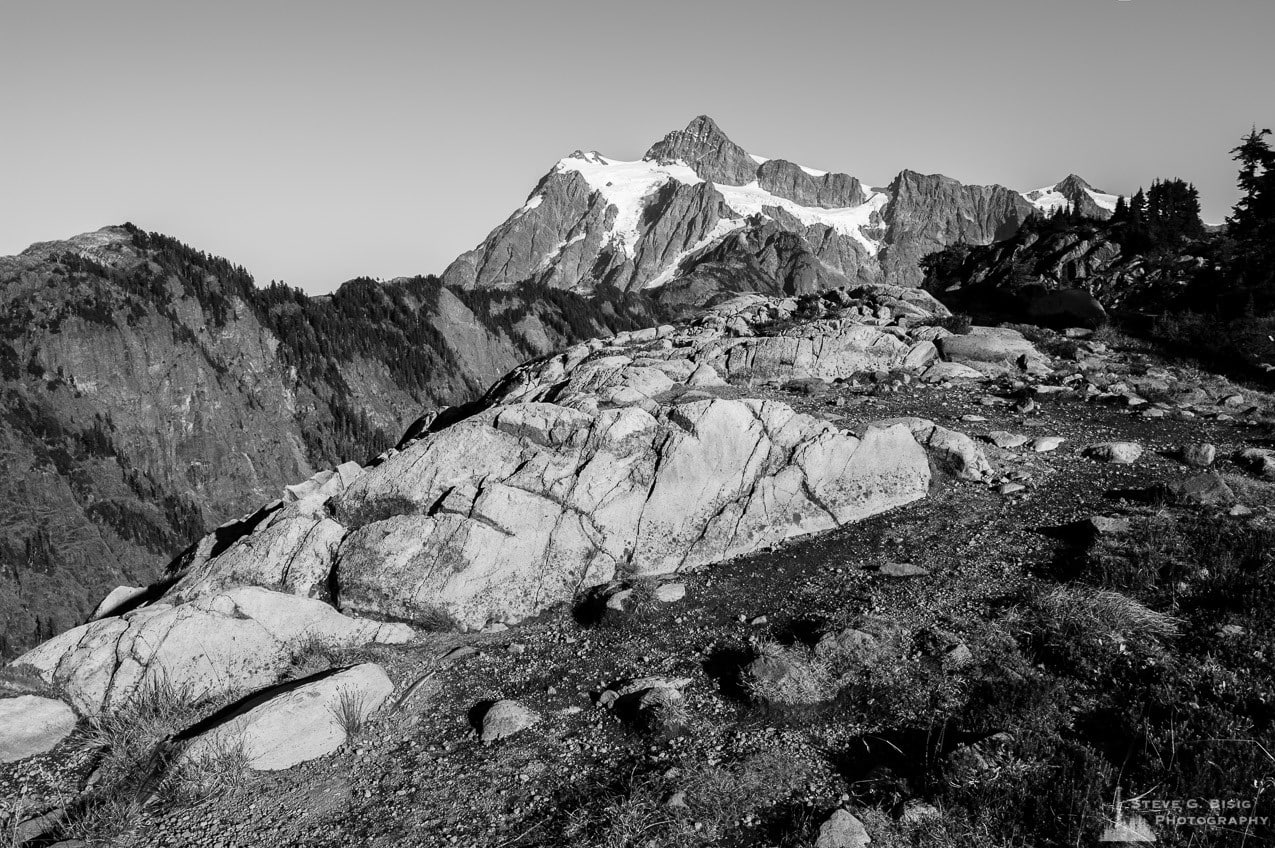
(1073, 192)
(708, 151)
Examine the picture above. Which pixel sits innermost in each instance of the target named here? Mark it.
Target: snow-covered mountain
(1070, 192)
(700, 214)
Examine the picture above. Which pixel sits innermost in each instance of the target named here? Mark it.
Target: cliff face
(149, 393)
(928, 212)
(698, 210)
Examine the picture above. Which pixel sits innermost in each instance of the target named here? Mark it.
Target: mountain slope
(697, 197)
(149, 392)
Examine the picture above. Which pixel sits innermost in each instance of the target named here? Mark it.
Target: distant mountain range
(698, 214)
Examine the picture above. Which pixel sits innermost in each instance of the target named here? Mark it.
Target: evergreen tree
(1173, 212)
(1138, 207)
(1121, 212)
(1252, 221)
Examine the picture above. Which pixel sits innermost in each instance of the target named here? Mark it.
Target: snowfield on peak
(1049, 200)
(628, 185)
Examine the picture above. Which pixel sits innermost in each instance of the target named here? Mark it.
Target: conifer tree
(1252, 221)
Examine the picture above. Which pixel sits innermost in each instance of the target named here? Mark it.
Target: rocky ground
(904, 669)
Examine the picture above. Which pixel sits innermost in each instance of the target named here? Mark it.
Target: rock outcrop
(219, 644)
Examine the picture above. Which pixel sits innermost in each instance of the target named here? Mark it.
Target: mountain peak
(1072, 182)
(709, 151)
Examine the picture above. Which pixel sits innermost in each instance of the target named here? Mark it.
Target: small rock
(1108, 524)
(842, 830)
(759, 620)
(1006, 439)
(807, 386)
(1208, 489)
(902, 569)
(973, 418)
(1198, 455)
(1010, 488)
(958, 656)
(1260, 461)
(1044, 444)
(459, 653)
(505, 718)
(1239, 511)
(668, 593)
(1231, 630)
(1232, 401)
(1118, 453)
(616, 600)
(916, 811)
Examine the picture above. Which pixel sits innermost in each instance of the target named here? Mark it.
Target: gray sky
(315, 141)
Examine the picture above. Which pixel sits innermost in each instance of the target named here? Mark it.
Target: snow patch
(532, 202)
(850, 221)
(626, 186)
(1106, 201)
(814, 172)
(1047, 200)
(760, 160)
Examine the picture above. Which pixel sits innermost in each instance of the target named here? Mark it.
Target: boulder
(234, 641)
(920, 356)
(940, 371)
(1063, 307)
(842, 830)
(1118, 453)
(31, 725)
(995, 345)
(506, 718)
(300, 723)
(117, 599)
(952, 451)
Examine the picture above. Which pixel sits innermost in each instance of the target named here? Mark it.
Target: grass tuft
(350, 712)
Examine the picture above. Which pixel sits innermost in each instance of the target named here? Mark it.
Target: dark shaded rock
(1207, 489)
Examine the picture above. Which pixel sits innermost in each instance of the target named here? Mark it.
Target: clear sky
(314, 141)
